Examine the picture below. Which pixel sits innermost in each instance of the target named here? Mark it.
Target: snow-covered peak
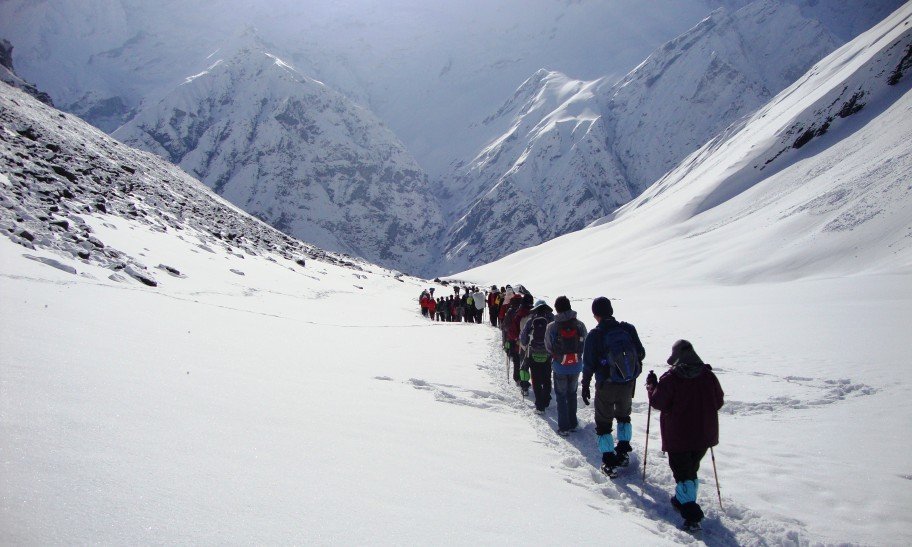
(295, 153)
(815, 183)
(575, 150)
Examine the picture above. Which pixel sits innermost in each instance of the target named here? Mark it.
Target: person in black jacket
(613, 354)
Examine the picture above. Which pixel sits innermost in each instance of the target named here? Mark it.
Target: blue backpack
(620, 361)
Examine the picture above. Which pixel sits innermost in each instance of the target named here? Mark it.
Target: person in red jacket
(689, 396)
(423, 300)
(432, 308)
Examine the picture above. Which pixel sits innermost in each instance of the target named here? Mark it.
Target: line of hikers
(453, 308)
(549, 350)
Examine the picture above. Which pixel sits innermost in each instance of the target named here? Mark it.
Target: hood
(565, 315)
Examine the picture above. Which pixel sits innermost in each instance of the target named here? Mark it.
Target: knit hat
(541, 305)
(683, 352)
(562, 304)
(601, 307)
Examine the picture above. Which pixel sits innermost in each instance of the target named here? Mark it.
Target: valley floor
(285, 404)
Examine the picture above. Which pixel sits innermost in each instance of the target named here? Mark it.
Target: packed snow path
(579, 460)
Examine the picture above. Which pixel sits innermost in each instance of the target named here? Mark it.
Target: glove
(586, 395)
(651, 379)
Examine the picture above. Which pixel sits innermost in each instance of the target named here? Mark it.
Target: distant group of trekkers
(549, 351)
(454, 308)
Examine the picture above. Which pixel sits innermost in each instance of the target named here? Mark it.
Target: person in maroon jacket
(689, 396)
(513, 329)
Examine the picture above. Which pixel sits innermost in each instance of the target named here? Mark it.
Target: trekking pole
(648, 423)
(716, 474)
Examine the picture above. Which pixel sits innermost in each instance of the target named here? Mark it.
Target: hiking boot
(539, 411)
(623, 447)
(563, 432)
(608, 470)
(622, 459)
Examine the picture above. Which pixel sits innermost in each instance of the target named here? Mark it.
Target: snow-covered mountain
(814, 183)
(575, 150)
(429, 70)
(296, 154)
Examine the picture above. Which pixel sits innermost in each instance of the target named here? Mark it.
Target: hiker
(479, 299)
(452, 308)
(508, 310)
(468, 303)
(432, 308)
(614, 354)
(505, 305)
(689, 397)
(513, 328)
(564, 342)
(536, 357)
(423, 302)
(493, 304)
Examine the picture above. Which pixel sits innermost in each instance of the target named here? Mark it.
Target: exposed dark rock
(904, 64)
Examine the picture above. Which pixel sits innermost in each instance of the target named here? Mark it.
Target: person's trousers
(541, 383)
(565, 386)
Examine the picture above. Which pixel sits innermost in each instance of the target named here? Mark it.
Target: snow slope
(577, 150)
(783, 250)
(296, 154)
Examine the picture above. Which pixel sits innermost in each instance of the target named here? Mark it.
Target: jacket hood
(565, 315)
(683, 352)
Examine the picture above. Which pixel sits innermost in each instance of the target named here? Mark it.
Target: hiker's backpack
(470, 301)
(620, 361)
(567, 345)
(537, 351)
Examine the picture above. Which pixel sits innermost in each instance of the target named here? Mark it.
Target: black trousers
(492, 310)
(541, 383)
(684, 465)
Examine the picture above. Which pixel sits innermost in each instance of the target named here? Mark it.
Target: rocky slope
(8, 74)
(57, 173)
(296, 154)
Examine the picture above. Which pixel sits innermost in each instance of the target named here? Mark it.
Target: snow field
(272, 407)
